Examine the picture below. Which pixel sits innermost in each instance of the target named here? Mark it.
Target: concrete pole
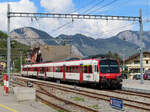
(141, 46)
(8, 45)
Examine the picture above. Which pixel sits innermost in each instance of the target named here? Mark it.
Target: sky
(92, 28)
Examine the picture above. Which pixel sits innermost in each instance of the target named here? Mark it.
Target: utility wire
(99, 2)
(103, 6)
(62, 26)
(83, 7)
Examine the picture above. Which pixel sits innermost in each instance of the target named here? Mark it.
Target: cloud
(22, 5)
(59, 6)
(93, 28)
(55, 27)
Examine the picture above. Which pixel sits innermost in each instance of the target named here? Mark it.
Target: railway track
(145, 95)
(127, 102)
(73, 107)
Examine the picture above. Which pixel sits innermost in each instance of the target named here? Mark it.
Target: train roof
(70, 62)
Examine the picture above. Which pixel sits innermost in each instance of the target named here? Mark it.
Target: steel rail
(51, 104)
(130, 93)
(92, 94)
(66, 101)
(60, 99)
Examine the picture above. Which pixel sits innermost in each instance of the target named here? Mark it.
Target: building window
(136, 62)
(146, 61)
(135, 70)
(144, 56)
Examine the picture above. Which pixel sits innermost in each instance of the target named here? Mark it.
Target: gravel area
(100, 105)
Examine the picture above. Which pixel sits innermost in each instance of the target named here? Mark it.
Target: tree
(15, 57)
(110, 54)
(113, 55)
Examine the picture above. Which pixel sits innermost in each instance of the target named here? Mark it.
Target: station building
(49, 53)
(133, 63)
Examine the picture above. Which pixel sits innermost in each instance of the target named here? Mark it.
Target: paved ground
(9, 104)
(136, 85)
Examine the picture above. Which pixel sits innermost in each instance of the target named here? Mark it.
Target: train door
(27, 71)
(38, 72)
(45, 72)
(95, 72)
(81, 73)
(64, 72)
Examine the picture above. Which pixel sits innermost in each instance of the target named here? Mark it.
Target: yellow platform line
(8, 108)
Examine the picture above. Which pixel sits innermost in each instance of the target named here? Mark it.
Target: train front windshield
(109, 66)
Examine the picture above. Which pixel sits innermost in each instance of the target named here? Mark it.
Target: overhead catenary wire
(88, 4)
(64, 25)
(108, 31)
(92, 7)
(108, 4)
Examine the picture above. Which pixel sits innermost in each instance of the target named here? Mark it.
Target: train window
(66, 68)
(77, 69)
(73, 69)
(85, 69)
(90, 68)
(60, 69)
(50, 69)
(69, 68)
(96, 68)
(46, 69)
(56, 69)
(42, 70)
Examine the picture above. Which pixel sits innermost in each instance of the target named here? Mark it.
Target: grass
(1, 83)
(60, 111)
(95, 107)
(78, 99)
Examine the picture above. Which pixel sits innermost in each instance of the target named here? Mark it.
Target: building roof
(135, 55)
(56, 53)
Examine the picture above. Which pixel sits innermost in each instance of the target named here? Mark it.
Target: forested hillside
(17, 49)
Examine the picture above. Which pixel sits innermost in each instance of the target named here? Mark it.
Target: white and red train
(105, 72)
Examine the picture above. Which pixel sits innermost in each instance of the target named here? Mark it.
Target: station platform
(8, 103)
(135, 85)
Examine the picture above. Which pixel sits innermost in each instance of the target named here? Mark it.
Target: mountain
(90, 46)
(31, 36)
(133, 37)
(126, 42)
